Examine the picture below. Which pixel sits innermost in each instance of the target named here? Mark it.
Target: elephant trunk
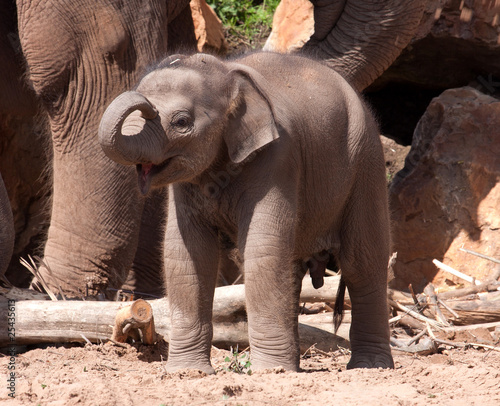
(129, 138)
(362, 39)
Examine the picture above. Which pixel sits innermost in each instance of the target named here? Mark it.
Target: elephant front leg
(191, 260)
(272, 286)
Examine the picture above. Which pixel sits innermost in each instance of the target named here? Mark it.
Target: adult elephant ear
(358, 38)
(253, 119)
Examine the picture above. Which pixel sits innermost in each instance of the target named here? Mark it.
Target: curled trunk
(126, 137)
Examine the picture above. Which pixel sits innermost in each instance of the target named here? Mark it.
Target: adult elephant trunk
(361, 38)
(127, 137)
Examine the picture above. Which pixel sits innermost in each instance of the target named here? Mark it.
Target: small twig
(453, 312)
(414, 296)
(34, 270)
(477, 254)
(117, 343)
(432, 298)
(54, 279)
(414, 314)
(417, 337)
(86, 339)
(317, 350)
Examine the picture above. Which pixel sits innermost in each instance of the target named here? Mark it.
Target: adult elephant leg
(94, 229)
(146, 275)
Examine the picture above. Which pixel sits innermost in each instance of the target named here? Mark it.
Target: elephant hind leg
(363, 260)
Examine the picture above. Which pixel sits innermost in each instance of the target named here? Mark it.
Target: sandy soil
(111, 375)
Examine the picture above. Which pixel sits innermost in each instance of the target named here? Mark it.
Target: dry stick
(395, 319)
(459, 345)
(459, 274)
(477, 254)
(417, 337)
(33, 269)
(41, 261)
(453, 312)
(432, 297)
(414, 296)
(487, 326)
(416, 315)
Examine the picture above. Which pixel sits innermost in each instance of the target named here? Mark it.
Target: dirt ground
(106, 374)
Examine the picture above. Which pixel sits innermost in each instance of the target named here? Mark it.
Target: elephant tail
(338, 310)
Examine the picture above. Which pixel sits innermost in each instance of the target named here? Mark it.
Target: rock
(207, 28)
(293, 25)
(456, 42)
(395, 155)
(448, 194)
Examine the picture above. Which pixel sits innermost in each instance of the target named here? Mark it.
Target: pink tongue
(146, 168)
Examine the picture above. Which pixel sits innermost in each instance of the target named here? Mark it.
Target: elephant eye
(182, 122)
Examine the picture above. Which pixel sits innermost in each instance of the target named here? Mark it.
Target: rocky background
(447, 196)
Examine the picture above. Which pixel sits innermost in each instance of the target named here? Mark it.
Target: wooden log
(229, 301)
(66, 321)
(484, 310)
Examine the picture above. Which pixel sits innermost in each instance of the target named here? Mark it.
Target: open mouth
(147, 171)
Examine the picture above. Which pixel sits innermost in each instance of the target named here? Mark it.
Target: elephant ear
(252, 118)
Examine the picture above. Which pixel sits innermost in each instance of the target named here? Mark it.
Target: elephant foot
(363, 360)
(192, 366)
(268, 364)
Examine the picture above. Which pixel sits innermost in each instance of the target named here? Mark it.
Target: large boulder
(448, 194)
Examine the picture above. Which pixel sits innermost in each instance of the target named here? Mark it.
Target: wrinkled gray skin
(280, 154)
(361, 39)
(7, 233)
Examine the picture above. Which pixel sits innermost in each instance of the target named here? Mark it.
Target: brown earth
(110, 375)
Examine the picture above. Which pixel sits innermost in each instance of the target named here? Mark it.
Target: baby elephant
(278, 154)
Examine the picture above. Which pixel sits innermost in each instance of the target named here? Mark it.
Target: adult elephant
(358, 38)
(79, 56)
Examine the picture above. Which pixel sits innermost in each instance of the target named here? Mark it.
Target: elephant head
(359, 39)
(80, 55)
(183, 115)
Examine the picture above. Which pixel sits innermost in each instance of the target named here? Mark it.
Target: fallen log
(74, 321)
(484, 310)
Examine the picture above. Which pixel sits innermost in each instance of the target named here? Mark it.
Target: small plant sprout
(239, 362)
